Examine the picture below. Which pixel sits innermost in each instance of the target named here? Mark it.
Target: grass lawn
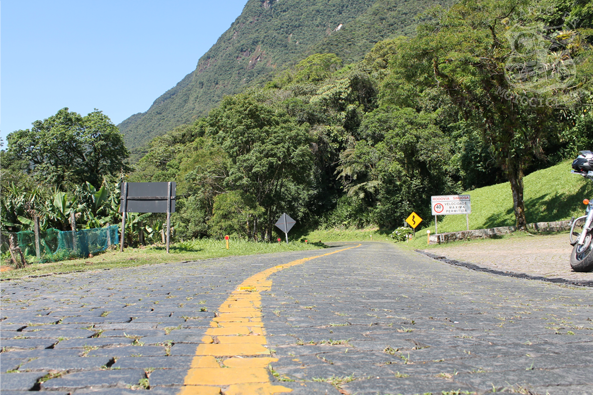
(325, 235)
(179, 252)
(552, 194)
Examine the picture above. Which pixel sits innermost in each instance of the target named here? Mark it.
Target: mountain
(269, 36)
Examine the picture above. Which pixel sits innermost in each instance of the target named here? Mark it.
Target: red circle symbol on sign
(226, 237)
(438, 208)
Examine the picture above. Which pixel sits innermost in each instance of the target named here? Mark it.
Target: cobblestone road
(369, 320)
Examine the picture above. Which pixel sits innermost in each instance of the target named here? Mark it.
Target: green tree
(67, 149)
(268, 154)
(234, 213)
(466, 53)
(404, 162)
(317, 67)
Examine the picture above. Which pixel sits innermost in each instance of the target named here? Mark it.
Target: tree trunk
(16, 253)
(141, 233)
(248, 228)
(515, 176)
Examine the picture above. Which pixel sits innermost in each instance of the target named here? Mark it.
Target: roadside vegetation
(151, 255)
(343, 145)
(552, 194)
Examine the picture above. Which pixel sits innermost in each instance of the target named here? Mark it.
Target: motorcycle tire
(581, 258)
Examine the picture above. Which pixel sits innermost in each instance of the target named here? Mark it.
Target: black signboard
(147, 197)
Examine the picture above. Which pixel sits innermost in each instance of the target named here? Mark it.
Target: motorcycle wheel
(581, 258)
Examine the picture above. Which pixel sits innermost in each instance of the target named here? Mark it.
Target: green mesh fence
(56, 245)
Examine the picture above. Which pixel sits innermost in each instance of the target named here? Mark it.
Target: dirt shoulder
(535, 256)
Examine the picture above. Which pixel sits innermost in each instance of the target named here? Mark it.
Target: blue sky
(114, 55)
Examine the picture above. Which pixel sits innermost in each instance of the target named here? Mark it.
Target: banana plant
(18, 208)
(61, 206)
(93, 222)
(135, 223)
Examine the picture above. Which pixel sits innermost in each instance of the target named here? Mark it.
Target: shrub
(401, 234)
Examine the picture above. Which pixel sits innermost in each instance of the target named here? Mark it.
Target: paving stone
(309, 388)
(404, 386)
(563, 390)
(183, 349)
(167, 377)
(7, 364)
(101, 378)
(11, 327)
(38, 353)
(126, 326)
(94, 342)
(65, 363)
(295, 350)
(29, 320)
(169, 362)
(172, 338)
(137, 332)
(87, 320)
(8, 392)
(129, 351)
(57, 332)
(19, 381)
(26, 344)
(6, 334)
(523, 377)
(128, 391)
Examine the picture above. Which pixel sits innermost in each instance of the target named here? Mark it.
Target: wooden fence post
(73, 227)
(124, 208)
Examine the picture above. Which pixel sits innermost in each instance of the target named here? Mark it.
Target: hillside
(551, 194)
(269, 36)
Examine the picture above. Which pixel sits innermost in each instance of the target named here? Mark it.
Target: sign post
(450, 205)
(227, 241)
(147, 197)
(285, 224)
(414, 220)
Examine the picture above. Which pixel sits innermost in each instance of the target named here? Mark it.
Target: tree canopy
(68, 149)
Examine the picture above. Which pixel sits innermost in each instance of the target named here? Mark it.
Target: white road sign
(451, 204)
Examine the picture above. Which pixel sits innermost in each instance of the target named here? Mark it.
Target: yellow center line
(233, 358)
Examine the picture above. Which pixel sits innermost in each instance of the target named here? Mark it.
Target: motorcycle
(581, 229)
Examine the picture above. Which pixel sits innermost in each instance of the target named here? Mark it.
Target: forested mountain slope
(271, 35)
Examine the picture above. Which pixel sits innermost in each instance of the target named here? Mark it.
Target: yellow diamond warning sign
(414, 220)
